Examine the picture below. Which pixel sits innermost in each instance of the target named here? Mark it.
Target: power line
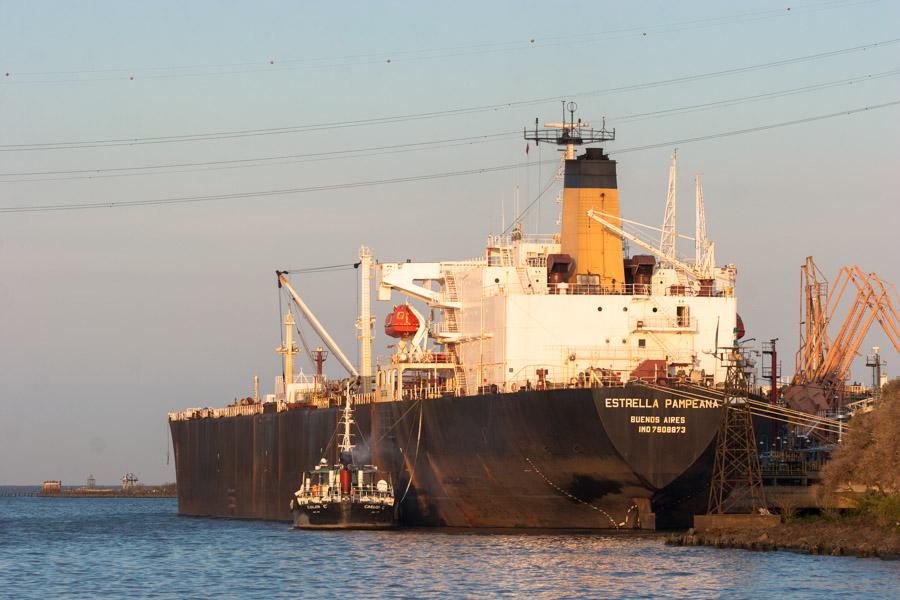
(387, 57)
(268, 131)
(722, 134)
(733, 71)
(94, 173)
(448, 174)
(245, 162)
(431, 114)
(259, 194)
(753, 98)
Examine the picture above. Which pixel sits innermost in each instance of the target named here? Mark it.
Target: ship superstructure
(567, 309)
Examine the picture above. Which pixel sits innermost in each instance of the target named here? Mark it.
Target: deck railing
(554, 378)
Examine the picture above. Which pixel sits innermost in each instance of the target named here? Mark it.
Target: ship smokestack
(590, 183)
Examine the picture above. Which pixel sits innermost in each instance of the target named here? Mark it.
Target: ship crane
(675, 262)
(329, 341)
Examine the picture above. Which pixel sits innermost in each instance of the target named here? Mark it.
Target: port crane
(822, 363)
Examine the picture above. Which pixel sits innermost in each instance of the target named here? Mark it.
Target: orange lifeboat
(401, 322)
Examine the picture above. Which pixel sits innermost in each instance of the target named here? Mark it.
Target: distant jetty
(137, 491)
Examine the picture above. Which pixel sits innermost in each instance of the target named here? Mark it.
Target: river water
(88, 548)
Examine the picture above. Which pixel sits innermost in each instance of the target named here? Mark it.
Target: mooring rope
(412, 471)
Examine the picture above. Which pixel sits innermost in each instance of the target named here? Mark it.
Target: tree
(870, 454)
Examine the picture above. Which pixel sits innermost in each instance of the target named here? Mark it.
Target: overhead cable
(65, 145)
(275, 65)
(448, 174)
(263, 160)
(722, 134)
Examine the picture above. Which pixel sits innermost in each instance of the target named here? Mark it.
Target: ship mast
(365, 321)
(289, 349)
(346, 445)
(704, 253)
(668, 235)
(569, 132)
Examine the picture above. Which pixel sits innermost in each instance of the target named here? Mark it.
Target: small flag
(526, 149)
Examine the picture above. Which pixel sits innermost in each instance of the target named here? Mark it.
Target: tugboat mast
(346, 420)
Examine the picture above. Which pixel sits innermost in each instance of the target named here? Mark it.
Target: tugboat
(344, 495)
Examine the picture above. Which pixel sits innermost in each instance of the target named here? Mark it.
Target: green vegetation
(884, 508)
(870, 456)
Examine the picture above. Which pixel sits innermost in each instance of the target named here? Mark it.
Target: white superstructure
(568, 309)
(505, 326)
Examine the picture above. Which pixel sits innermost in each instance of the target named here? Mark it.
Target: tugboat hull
(344, 515)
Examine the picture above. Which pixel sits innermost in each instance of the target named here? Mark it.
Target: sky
(112, 317)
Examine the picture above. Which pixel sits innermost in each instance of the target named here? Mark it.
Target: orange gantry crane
(823, 362)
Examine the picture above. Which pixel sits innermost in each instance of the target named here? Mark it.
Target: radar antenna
(569, 132)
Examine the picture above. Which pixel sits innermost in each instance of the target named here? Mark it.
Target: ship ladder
(524, 280)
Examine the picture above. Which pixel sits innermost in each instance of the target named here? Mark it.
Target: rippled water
(53, 547)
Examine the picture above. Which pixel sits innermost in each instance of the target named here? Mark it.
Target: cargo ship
(546, 388)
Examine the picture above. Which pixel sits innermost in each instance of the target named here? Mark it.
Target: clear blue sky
(110, 318)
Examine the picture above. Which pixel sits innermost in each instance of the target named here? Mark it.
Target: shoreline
(849, 536)
(116, 495)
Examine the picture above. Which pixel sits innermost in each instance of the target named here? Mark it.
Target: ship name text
(656, 403)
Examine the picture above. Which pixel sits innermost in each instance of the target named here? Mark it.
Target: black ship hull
(344, 514)
(594, 458)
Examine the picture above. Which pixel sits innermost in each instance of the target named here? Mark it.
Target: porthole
(625, 308)
(599, 309)
(496, 280)
(655, 309)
